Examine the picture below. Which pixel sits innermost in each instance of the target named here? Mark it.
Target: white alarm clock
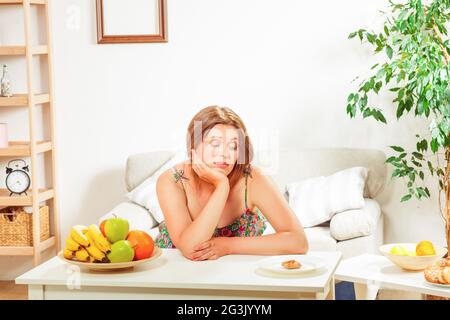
(17, 179)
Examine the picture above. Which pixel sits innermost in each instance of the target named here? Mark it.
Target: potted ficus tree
(416, 54)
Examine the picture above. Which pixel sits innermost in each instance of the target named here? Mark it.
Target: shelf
(11, 2)
(12, 51)
(21, 100)
(22, 50)
(24, 200)
(23, 148)
(27, 251)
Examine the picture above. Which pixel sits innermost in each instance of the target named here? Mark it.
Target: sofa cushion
(293, 164)
(357, 222)
(145, 193)
(142, 165)
(138, 217)
(317, 199)
(319, 239)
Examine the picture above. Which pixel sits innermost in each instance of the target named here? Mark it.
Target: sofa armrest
(138, 217)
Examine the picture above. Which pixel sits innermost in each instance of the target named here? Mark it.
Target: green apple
(116, 229)
(121, 251)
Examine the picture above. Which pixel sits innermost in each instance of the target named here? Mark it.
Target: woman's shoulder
(254, 172)
(258, 178)
(174, 173)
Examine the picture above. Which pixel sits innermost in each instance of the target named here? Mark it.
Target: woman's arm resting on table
(185, 233)
(289, 238)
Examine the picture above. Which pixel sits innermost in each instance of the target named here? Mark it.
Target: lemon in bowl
(413, 256)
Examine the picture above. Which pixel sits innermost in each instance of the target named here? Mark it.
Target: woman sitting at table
(216, 203)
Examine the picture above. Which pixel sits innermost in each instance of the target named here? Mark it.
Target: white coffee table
(172, 276)
(371, 272)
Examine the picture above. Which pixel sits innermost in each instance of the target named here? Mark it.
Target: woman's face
(220, 147)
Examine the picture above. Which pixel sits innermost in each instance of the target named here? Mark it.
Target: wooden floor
(11, 291)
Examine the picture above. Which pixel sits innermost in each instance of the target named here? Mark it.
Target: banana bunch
(86, 244)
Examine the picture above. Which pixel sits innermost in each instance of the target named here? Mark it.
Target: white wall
(285, 65)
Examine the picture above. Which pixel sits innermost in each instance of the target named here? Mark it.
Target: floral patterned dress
(249, 224)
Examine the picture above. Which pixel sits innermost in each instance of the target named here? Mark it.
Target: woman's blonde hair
(205, 120)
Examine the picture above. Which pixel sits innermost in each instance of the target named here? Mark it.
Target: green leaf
(434, 145)
(351, 110)
(417, 164)
(380, 116)
(418, 155)
(378, 86)
(397, 148)
(421, 192)
(360, 34)
(400, 109)
(430, 167)
(406, 198)
(380, 74)
(363, 101)
(367, 113)
(391, 159)
(350, 97)
(389, 52)
(352, 35)
(370, 37)
(422, 145)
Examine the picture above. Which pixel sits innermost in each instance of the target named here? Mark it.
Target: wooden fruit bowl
(111, 266)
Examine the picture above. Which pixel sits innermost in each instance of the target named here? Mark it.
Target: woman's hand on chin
(211, 249)
(206, 173)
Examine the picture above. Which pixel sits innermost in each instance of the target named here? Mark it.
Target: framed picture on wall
(131, 21)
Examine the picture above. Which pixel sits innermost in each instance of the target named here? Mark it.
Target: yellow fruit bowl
(411, 262)
(111, 266)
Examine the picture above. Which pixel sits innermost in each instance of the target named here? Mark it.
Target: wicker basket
(16, 226)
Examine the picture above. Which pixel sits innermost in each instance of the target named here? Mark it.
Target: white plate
(308, 264)
(440, 285)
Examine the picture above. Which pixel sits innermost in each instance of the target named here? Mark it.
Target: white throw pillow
(316, 200)
(145, 193)
(355, 223)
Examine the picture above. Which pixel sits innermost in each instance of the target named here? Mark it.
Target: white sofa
(291, 166)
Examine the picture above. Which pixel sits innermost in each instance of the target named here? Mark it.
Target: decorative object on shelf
(133, 21)
(415, 68)
(16, 226)
(17, 180)
(4, 135)
(5, 83)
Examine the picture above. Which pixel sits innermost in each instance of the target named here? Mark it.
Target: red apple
(102, 227)
(142, 243)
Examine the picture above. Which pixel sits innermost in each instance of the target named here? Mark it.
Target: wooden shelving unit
(33, 147)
